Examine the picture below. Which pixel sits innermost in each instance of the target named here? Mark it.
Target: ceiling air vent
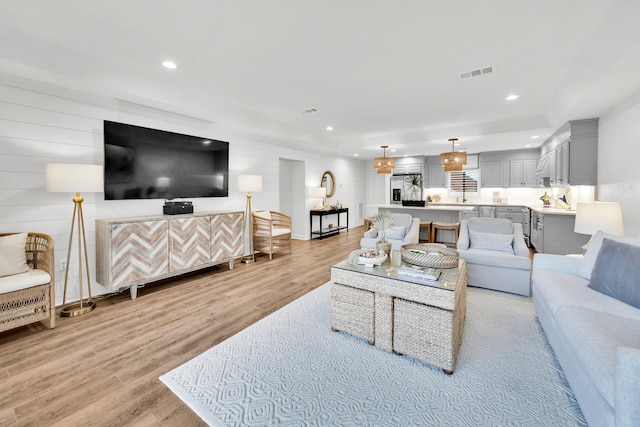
(310, 111)
(476, 73)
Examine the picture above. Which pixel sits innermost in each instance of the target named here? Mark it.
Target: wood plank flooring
(102, 368)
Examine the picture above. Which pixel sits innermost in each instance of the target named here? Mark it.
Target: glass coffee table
(396, 313)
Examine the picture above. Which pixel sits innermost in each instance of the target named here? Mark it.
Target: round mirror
(329, 183)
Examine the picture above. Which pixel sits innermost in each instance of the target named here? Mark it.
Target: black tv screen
(143, 163)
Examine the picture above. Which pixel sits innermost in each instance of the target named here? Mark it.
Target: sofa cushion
(562, 289)
(591, 254)
(593, 338)
(395, 232)
(617, 272)
(13, 258)
(16, 282)
(495, 259)
(490, 241)
(491, 225)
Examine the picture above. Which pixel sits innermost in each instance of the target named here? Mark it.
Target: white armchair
(405, 230)
(496, 254)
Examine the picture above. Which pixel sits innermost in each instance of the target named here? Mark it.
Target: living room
(53, 111)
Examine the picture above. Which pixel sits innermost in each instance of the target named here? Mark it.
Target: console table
(326, 232)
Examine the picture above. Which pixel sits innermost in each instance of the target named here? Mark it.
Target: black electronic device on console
(177, 208)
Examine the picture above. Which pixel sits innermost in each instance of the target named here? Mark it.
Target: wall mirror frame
(329, 182)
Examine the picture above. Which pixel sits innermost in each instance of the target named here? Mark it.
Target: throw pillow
(590, 256)
(395, 232)
(13, 259)
(616, 272)
(371, 234)
(493, 242)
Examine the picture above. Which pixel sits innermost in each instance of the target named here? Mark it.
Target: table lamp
(318, 194)
(249, 183)
(594, 216)
(74, 178)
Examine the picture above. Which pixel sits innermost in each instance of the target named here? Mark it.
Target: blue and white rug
(290, 369)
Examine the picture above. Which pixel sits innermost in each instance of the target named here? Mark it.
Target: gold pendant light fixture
(454, 160)
(384, 164)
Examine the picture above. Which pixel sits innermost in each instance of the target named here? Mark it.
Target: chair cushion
(278, 231)
(16, 282)
(491, 225)
(395, 232)
(263, 214)
(13, 258)
(616, 272)
(490, 241)
(400, 220)
(495, 259)
(370, 234)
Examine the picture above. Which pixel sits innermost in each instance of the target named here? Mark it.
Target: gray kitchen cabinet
(553, 234)
(437, 176)
(522, 173)
(572, 154)
(492, 174)
(408, 169)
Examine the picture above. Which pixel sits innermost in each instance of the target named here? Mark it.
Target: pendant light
(453, 160)
(384, 164)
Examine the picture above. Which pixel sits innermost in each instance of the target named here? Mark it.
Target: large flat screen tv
(143, 163)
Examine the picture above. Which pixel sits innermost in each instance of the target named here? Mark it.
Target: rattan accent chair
(271, 232)
(30, 303)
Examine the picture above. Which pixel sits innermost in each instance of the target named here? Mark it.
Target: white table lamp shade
(317, 192)
(603, 216)
(250, 183)
(74, 178)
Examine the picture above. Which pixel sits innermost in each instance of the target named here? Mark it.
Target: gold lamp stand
(80, 307)
(252, 256)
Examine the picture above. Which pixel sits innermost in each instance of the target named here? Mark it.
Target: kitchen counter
(430, 207)
(552, 211)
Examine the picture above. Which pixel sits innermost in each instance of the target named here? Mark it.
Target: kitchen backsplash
(517, 196)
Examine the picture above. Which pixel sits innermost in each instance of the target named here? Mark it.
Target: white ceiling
(381, 72)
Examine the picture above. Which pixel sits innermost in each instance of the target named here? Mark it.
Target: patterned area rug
(290, 369)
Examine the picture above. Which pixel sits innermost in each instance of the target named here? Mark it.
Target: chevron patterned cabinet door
(189, 242)
(138, 251)
(227, 236)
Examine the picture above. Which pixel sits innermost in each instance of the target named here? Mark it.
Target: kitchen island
(552, 231)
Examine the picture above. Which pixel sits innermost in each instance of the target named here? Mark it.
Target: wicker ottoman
(397, 314)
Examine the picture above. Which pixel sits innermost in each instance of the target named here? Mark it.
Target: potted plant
(546, 199)
(382, 222)
(413, 186)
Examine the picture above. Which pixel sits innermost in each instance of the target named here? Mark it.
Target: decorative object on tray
(368, 257)
(432, 255)
(382, 222)
(546, 199)
(423, 273)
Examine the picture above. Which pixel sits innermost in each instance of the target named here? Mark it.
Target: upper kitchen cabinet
(571, 154)
(437, 176)
(407, 169)
(522, 173)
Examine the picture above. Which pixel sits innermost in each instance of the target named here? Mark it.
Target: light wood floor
(102, 368)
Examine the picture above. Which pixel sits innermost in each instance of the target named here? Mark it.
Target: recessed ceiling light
(169, 64)
(356, 154)
(527, 146)
(511, 97)
(535, 137)
(393, 150)
(329, 128)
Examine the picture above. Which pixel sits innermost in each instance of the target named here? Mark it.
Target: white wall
(618, 155)
(42, 124)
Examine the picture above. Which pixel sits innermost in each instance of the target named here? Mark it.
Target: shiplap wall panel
(41, 124)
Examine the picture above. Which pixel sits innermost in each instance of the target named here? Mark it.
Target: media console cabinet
(132, 251)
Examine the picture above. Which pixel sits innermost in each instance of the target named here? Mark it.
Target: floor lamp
(73, 178)
(249, 183)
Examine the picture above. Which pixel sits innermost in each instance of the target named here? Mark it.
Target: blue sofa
(595, 337)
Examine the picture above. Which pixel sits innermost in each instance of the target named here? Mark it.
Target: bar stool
(427, 226)
(435, 226)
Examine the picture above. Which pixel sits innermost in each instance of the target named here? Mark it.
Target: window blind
(464, 181)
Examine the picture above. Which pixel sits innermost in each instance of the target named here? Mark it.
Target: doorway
(293, 196)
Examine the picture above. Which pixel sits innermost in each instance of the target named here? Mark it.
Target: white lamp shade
(603, 216)
(250, 183)
(317, 192)
(74, 178)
